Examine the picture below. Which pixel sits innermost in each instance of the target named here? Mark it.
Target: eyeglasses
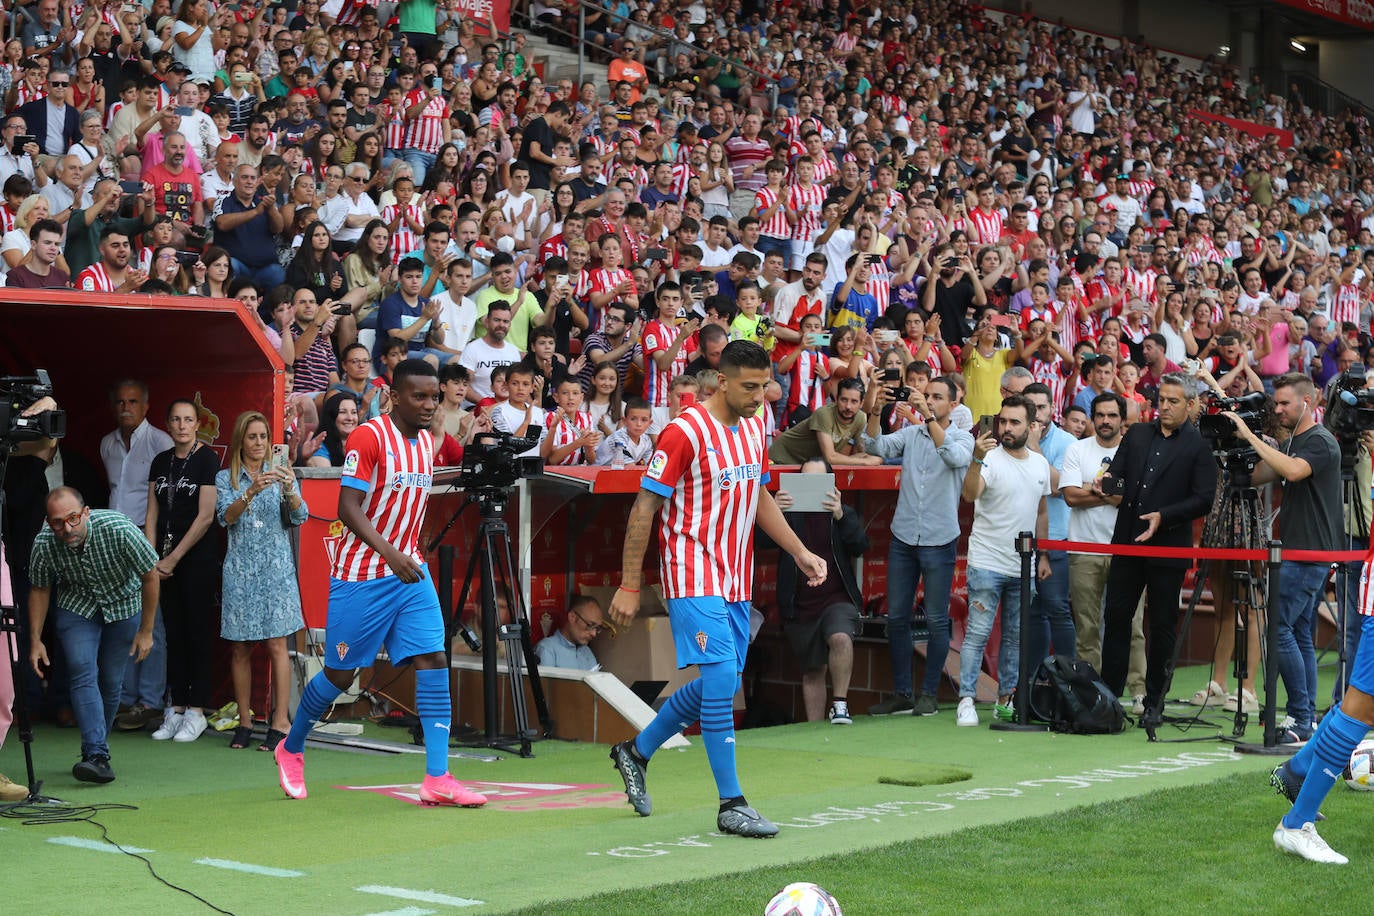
(594, 627)
(56, 85)
(71, 521)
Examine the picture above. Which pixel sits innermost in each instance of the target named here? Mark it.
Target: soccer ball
(1359, 775)
(802, 899)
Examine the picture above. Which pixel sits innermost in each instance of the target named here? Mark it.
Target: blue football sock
(319, 693)
(1332, 746)
(1301, 762)
(718, 683)
(435, 709)
(678, 711)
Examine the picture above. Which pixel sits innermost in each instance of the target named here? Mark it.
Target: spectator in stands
(246, 224)
(490, 350)
(568, 646)
(338, 418)
(40, 269)
(1051, 618)
(832, 433)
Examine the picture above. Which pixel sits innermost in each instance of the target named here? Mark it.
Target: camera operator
(1166, 478)
(1307, 467)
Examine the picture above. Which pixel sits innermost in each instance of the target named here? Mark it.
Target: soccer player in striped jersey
(379, 588)
(705, 487)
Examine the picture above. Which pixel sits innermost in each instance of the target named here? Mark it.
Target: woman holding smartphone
(255, 497)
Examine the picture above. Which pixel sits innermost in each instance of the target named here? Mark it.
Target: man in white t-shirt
(1092, 518)
(457, 313)
(489, 351)
(519, 207)
(1008, 485)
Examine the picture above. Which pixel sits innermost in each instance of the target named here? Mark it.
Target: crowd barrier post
(1271, 746)
(1025, 546)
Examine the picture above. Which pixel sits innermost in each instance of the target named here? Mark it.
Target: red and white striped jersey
(1068, 322)
(1099, 289)
(95, 279)
(603, 280)
(1206, 252)
(110, 113)
(808, 383)
(564, 434)
(1141, 283)
(774, 226)
(26, 93)
(682, 173)
(807, 203)
(1051, 373)
(394, 120)
(987, 226)
(879, 285)
(1346, 306)
(1031, 313)
(6, 218)
(426, 132)
(395, 474)
(403, 239)
(824, 168)
(1140, 190)
(710, 475)
(352, 11)
(657, 338)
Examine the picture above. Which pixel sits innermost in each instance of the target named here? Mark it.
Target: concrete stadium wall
(1345, 65)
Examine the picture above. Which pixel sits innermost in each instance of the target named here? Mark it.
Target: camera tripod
(1353, 502)
(497, 566)
(1238, 522)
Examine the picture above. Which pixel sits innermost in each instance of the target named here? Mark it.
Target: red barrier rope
(1203, 553)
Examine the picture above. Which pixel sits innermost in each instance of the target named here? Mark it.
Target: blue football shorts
(364, 616)
(1362, 665)
(707, 630)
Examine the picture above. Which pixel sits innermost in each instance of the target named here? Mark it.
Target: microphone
(1348, 397)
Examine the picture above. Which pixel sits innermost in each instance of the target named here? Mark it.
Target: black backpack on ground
(1068, 695)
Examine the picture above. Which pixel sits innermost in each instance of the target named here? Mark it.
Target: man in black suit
(40, 114)
(1169, 478)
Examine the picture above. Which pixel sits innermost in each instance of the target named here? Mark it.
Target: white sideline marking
(406, 911)
(418, 896)
(264, 870)
(93, 845)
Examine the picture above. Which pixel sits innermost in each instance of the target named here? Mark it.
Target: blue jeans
(906, 564)
(420, 164)
(146, 681)
(1051, 617)
(1299, 586)
(987, 590)
(97, 654)
(267, 276)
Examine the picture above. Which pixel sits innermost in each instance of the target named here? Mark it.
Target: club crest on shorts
(342, 649)
(701, 640)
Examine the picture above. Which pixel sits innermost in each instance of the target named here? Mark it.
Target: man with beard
(85, 228)
(1168, 479)
(832, 433)
(257, 142)
(1008, 484)
(112, 274)
(956, 290)
(176, 189)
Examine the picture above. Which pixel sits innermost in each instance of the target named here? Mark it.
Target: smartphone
(188, 257)
(243, 78)
(185, 111)
(821, 339)
(281, 456)
(561, 280)
(1114, 486)
(656, 254)
(890, 375)
(871, 259)
(950, 262)
(453, 249)
(987, 423)
(436, 82)
(342, 308)
(1001, 321)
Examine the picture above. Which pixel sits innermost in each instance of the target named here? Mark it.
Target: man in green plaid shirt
(104, 569)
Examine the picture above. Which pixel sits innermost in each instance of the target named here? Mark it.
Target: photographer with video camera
(1307, 468)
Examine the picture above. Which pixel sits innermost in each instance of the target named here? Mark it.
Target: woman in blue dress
(261, 598)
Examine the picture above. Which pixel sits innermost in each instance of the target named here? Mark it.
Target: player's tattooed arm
(638, 529)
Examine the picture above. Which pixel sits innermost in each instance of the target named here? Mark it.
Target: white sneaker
(1247, 700)
(193, 723)
(839, 713)
(171, 722)
(1213, 694)
(967, 715)
(1306, 843)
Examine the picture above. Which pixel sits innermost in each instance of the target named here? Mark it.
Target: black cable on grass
(42, 815)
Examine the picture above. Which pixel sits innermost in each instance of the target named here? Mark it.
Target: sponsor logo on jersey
(731, 476)
(656, 464)
(350, 465)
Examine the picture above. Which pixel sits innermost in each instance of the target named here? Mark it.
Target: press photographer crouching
(1307, 467)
